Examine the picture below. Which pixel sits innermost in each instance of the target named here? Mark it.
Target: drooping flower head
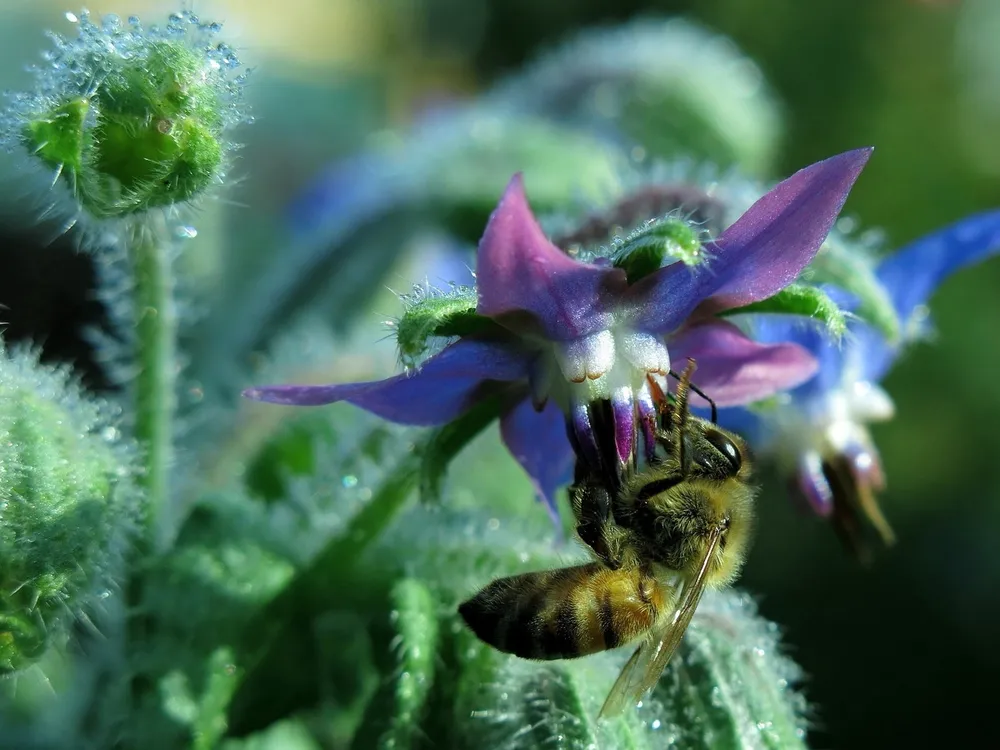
(556, 339)
(818, 431)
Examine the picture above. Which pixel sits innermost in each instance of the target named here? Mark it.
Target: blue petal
(351, 191)
(773, 329)
(447, 385)
(539, 442)
(911, 274)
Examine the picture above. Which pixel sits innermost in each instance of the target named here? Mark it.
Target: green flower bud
(130, 118)
(66, 504)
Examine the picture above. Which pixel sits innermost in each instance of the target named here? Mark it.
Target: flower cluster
(560, 339)
(570, 335)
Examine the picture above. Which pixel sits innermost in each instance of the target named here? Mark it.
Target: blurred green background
(899, 654)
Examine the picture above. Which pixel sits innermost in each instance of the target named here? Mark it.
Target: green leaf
(395, 713)
(729, 686)
(276, 628)
(205, 715)
(800, 299)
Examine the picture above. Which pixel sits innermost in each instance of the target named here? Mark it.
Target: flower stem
(155, 342)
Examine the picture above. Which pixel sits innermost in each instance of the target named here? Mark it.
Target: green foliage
(670, 86)
(67, 506)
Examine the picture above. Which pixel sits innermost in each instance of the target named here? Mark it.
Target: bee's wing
(649, 660)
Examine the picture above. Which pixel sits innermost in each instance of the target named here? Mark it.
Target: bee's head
(701, 486)
(710, 452)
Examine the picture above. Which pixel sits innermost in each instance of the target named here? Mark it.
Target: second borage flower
(552, 336)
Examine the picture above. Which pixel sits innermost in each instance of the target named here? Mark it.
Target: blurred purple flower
(573, 335)
(818, 431)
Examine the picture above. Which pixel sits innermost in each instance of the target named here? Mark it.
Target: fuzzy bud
(66, 505)
(130, 118)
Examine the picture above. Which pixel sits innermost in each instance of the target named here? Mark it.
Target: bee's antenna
(699, 391)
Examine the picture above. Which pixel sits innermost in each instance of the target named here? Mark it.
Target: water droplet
(493, 524)
(349, 481)
(72, 17)
(186, 232)
(214, 27)
(655, 724)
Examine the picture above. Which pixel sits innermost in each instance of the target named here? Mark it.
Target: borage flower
(560, 338)
(818, 432)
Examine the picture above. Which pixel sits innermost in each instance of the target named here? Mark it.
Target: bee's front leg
(591, 502)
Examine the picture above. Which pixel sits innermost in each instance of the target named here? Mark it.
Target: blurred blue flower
(818, 431)
(569, 337)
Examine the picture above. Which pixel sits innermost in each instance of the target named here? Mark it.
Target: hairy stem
(155, 341)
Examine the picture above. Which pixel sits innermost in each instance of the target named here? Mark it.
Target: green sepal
(57, 137)
(840, 265)
(432, 314)
(800, 299)
(649, 247)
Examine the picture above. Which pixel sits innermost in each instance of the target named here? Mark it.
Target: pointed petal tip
(256, 394)
(851, 162)
(514, 191)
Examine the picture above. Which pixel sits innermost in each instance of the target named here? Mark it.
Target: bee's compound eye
(726, 447)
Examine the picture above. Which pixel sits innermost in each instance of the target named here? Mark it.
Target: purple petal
(529, 285)
(539, 443)
(648, 420)
(623, 416)
(912, 274)
(760, 254)
(734, 370)
(447, 385)
(585, 440)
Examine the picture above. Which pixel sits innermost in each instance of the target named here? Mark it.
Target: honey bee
(659, 536)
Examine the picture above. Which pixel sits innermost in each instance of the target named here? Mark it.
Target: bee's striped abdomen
(559, 614)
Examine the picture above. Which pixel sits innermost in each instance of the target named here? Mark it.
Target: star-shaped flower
(818, 432)
(565, 335)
